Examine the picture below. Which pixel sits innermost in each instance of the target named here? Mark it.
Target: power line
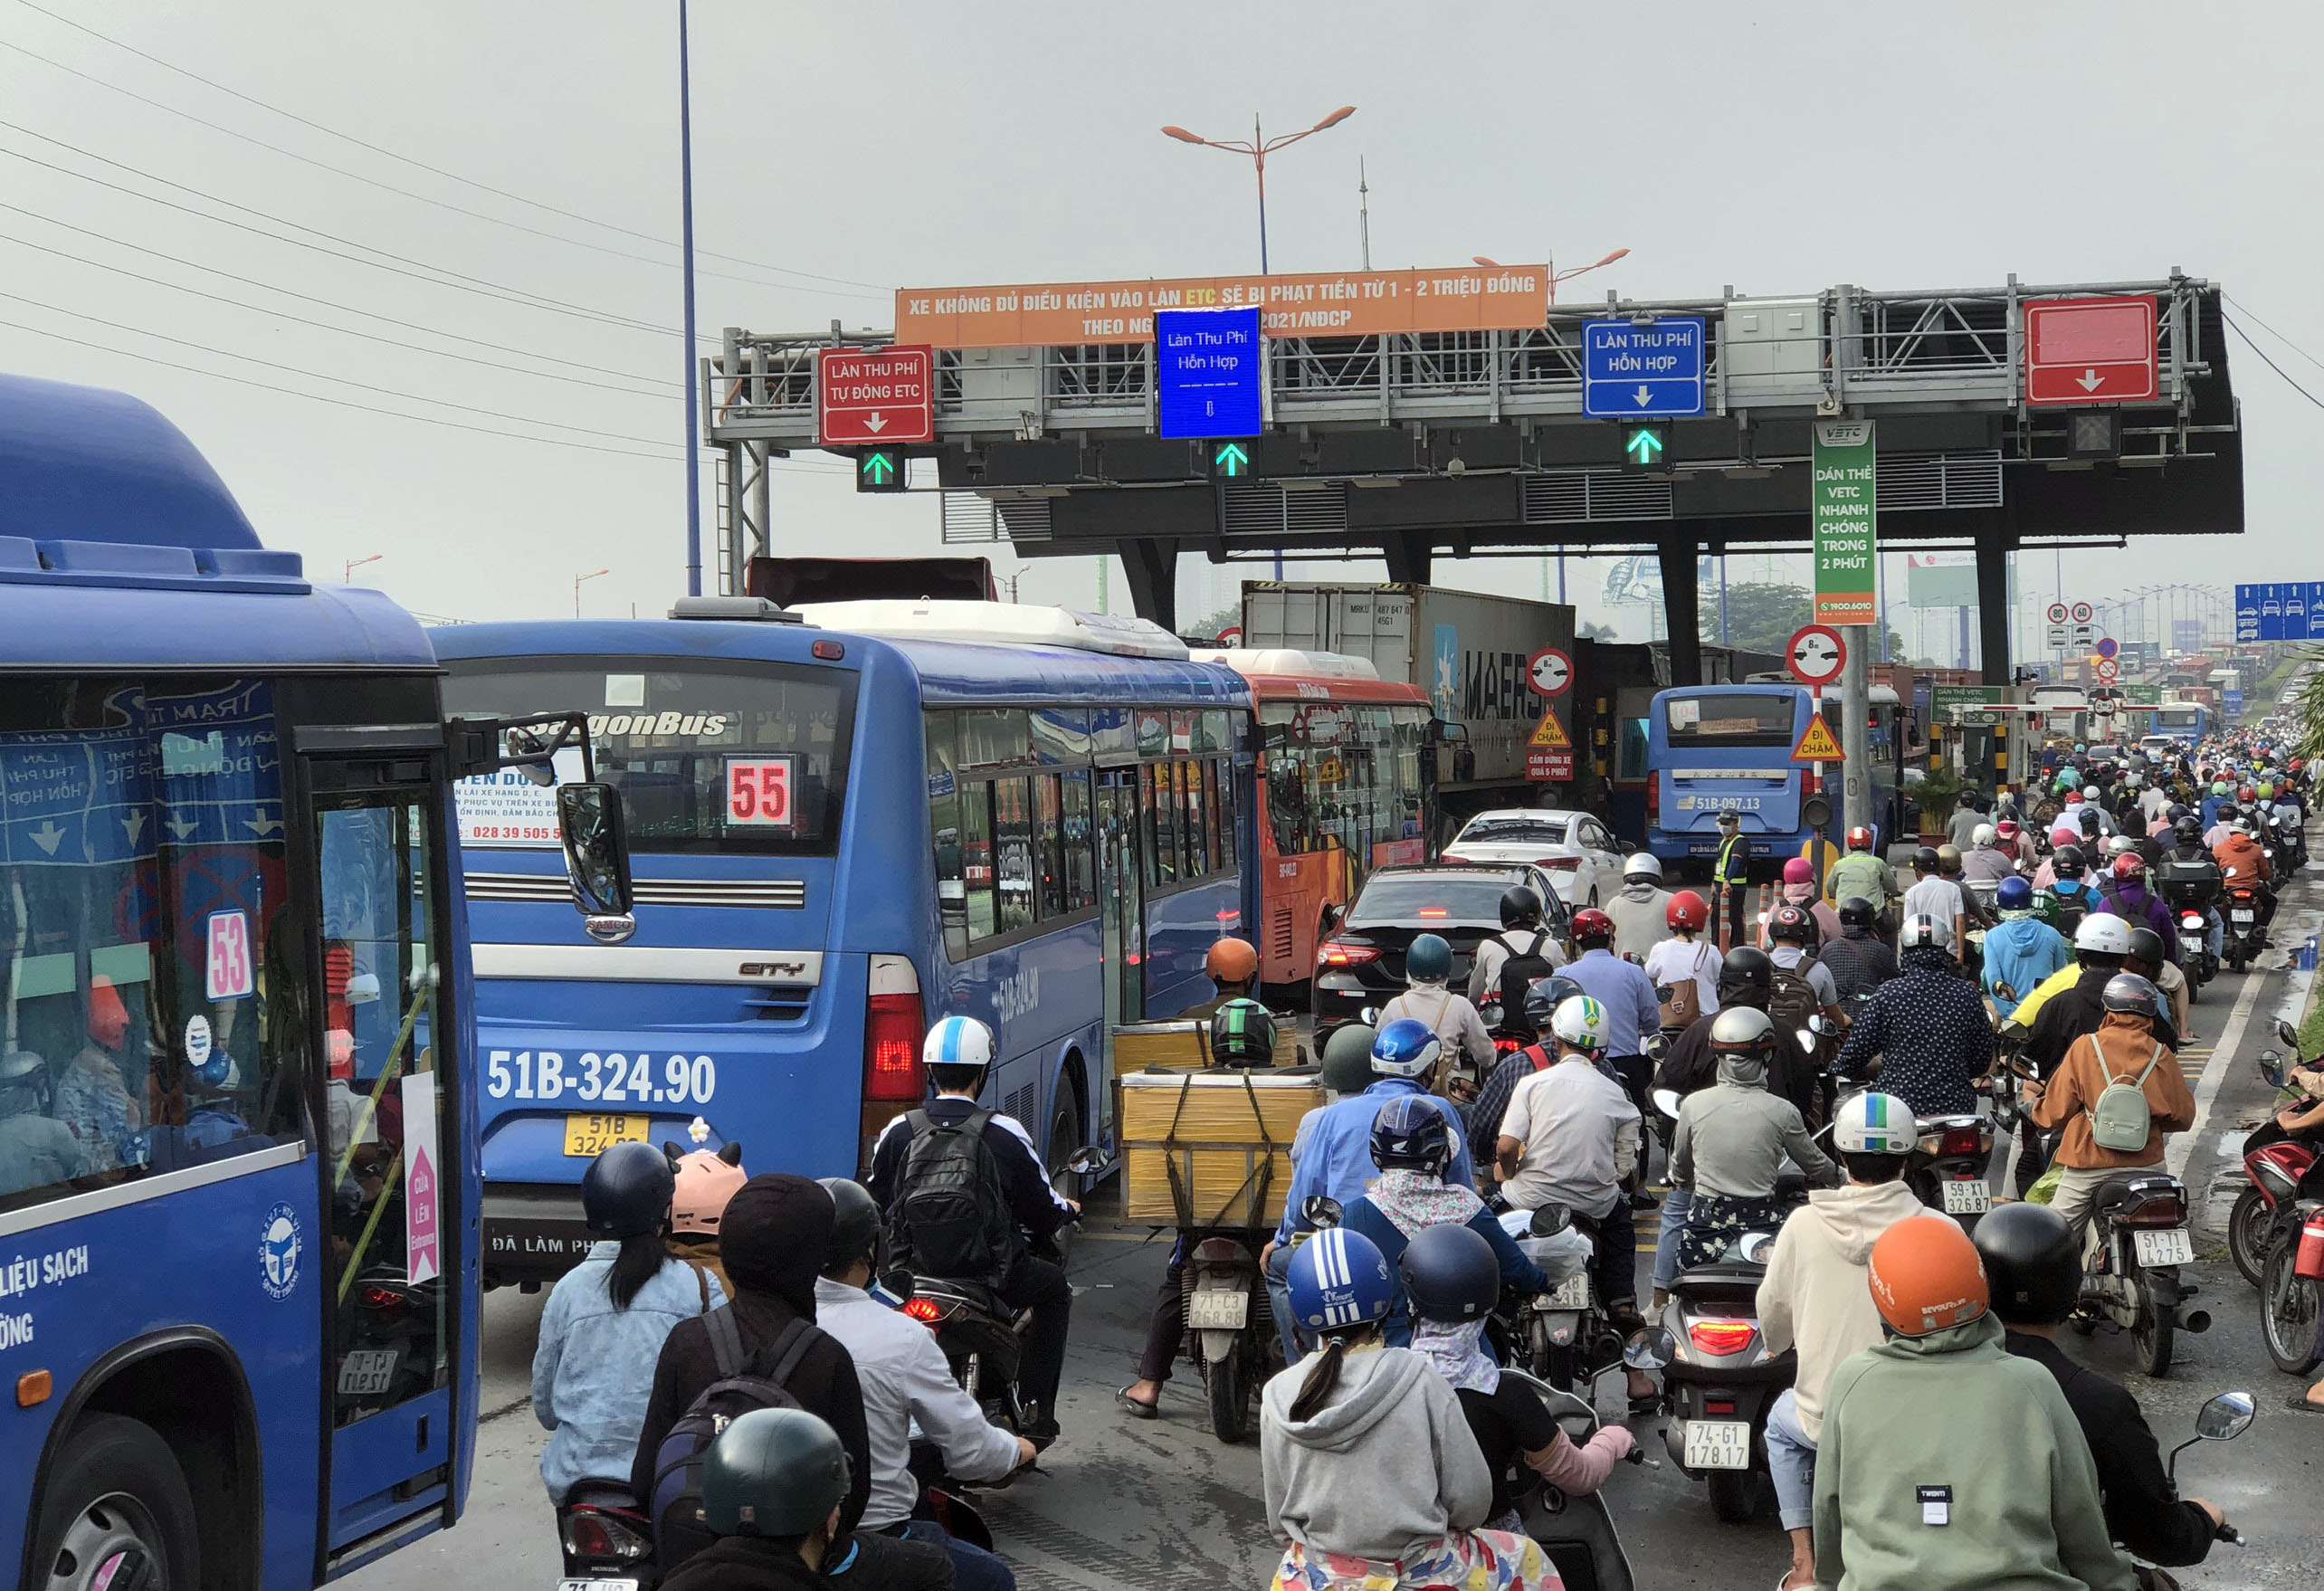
(459, 281)
(307, 298)
(411, 398)
(391, 155)
(2245, 311)
(2270, 364)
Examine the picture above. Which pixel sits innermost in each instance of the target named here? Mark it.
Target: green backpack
(2120, 1120)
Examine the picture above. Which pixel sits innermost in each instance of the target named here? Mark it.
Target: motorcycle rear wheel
(1228, 1381)
(2247, 1235)
(1734, 1496)
(2288, 1309)
(2150, 1330)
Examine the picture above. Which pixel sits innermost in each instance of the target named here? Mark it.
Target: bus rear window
(1730, 720)
(750, 759)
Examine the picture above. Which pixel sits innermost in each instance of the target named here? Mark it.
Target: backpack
(2120, 1120)
(1519, 972)
(2070, 910)
(679, 1526)
(1791, 998)
(952, 1218)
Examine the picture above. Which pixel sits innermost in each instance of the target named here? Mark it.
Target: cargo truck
(1472, 654)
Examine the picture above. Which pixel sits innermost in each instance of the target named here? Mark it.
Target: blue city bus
(2187, 722)
(1713, 748)
(850, 819)
(238, 1156)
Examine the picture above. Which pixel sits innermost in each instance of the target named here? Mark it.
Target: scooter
(1718, 1375)
(2291, 843)
(2291, 1289)
(606, 1539)
(2190, 888)
(1564, 1335)
(2245, 938)
(2275, 1170)
(1230, 1329)
(1576, 1533)
(2130, 1277)
(1948, 1171)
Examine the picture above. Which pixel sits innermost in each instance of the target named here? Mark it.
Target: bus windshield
(707, 758)
(1342, 775)
(1730, 720)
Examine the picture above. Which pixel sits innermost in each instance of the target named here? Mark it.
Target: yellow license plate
(591, 1136)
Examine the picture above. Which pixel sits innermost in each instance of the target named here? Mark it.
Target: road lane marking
(2214, 1072)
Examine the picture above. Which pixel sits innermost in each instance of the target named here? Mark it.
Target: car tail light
(1340, 953)
(1721, 1339)
(1455, 857)
(1559, 863)
(2156, 1209)
(925, 1310)
(591, 1534)
(1434, 911)
(1962, 1140)
(892, 1032)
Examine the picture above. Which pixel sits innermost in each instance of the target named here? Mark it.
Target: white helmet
(2103, 934)
(1983, 835)
(958, 1040)
(1645, 865)
(2090, 792)
(1918, 932)
(2119, 844)
(1875, 1124)
(1581, 1023)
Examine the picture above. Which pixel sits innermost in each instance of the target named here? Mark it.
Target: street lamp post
(686, 228)
(1555, 275)
(576, 588)
(355, 564)
(1259, 148)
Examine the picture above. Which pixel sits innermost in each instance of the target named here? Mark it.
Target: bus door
(393, 1293)
(1121, 895)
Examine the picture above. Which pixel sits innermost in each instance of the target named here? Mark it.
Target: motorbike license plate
(1968, 1198)
(1218, 1309)
(2171, 1246)
(587, 1136)
(1718, 1444)
(366, 1372)
(621, 1585)
(2241, 914)
(1573, 1293)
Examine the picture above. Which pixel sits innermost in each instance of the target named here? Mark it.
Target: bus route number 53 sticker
(758, 793)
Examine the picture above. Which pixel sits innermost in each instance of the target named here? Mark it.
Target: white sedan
(1581, 858)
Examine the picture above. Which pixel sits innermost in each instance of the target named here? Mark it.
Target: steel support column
(1680, 609)
(745, 533)
(1408, 559)
(1994, 548)
(1152, 567)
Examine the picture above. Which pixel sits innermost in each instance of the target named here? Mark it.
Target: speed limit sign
(2057, 613)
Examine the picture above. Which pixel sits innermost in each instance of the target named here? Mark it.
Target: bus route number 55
(759, 792)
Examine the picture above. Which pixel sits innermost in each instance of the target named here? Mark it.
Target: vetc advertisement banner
(1843, 514)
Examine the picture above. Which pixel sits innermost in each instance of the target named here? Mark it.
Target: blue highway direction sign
(1631, 371)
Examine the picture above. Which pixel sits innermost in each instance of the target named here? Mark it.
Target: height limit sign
(1845, 517)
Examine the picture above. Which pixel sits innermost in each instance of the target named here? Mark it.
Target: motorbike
(2131, 1275)
(2292, 1288)
(393, 1333)
(1230, 1328)
(1576, 1533)
(2191, 888)
(607, 1540)
(1948, 1171)
(2245, 938)
(1718, 1379)
(1564, 1335)
(2291, 843)
(2275, 1170)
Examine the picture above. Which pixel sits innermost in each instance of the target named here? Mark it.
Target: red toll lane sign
(865, 396)
(2085, 351)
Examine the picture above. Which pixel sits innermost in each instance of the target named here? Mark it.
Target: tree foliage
(1763, 616)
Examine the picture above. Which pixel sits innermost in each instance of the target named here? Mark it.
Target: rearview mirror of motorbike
(2225, 1417)
(1369, 1016)
(2289, 1034)
(2271, 1068)
(1320, 1211)
(1667, 1101)
(1650, 1351)
(1089, 1160)
(900, 1284)
(1548, 1221)
(1656, 1048)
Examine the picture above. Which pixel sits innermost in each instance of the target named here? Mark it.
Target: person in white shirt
(1936, 898)
(1455, 1022)
(1686, 954)
(905, 1381)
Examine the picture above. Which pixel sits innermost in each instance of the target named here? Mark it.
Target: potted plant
(1936, 796)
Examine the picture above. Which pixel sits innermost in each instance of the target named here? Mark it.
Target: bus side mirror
(596, 859)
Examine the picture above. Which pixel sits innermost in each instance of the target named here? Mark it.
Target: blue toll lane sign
(2289, 610)
(1208, 368)
(1632, 370)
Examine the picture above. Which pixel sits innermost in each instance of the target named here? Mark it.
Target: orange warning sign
(1817, 744)
(1550, 734)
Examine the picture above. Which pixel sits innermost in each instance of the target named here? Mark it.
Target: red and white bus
(1345, 786)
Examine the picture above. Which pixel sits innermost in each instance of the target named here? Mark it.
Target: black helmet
(1242, 1033)
(1543, 995)
(1924, 860)
(1411, 1133)
(1347, 1058)
(2032, 1265)
(855, 1224)
(1856, 911)
(627, 1191)
(2127, 992)
(2187, 829)
(1519, 907)
(1791, 924)
(2147, 946)
(772, 1472)
(1450, 1274)
(2067, 861)
(1746, 967)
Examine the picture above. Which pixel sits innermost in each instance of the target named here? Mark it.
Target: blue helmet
(1450, 1274)
(1410, 1133)
(1406, 1047)
(1338, 1280)
(2015, 894)
(1429, 959)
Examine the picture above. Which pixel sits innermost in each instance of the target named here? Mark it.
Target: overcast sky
(843, 149)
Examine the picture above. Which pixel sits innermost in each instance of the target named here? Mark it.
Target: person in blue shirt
(2023, 950)
(1337, 1159)
(1634, 1012)
(1411, 1146)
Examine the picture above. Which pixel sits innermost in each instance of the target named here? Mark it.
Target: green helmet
(1347, 1058)
(1242, 1034)
(776, 1472)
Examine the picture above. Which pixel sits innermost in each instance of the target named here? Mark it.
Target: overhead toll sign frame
(1638, 369)
(1210, 374)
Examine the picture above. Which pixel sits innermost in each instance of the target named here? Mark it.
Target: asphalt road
(1124, 1503)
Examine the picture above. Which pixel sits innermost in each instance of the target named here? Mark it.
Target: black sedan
(1360, 963)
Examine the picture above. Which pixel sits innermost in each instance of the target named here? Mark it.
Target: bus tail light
(892, 1032)
(1654, 798)
(1809, 784)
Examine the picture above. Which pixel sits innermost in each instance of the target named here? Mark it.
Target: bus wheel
(1064, 1137)
(117, 1512)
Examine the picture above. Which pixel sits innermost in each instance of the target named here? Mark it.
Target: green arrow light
(1231, 460)
(1643, 445)
(879, 469)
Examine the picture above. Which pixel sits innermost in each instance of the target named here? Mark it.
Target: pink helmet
(707, 1179)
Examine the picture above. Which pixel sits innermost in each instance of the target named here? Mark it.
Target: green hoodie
(1948, 1427)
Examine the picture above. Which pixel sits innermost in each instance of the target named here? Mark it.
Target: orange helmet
(1687, 911)
(1232, 961)
(707, 1179)
(1925, 1276)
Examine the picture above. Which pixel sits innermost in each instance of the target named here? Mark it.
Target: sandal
(1643, 1403)
(1137, 1410)
(2298, 1404)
